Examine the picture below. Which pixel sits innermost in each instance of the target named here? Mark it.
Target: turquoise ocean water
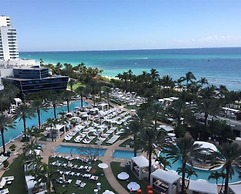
(218, 65)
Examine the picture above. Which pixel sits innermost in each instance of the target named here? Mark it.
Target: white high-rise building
(8, 40)
(9, 54)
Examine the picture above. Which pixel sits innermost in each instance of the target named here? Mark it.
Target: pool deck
(49, 146)
(48, 151)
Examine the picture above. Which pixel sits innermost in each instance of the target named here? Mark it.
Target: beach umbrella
(123, 176)
(103, 165)
(133, 186)
(108, 192)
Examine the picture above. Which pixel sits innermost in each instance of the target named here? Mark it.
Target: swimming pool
(123, 154)
(11, 134)
(202, 174)
(80, 150)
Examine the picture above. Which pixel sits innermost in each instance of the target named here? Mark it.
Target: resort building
(26, 74)
(8, 40)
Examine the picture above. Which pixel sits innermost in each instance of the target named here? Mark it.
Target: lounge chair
(82, 185)
(94, 178)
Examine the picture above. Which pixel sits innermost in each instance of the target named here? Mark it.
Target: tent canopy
(203, 186)
(235, 188)
(206, 145)
(168, 177)
(30, 181)
(140, 161)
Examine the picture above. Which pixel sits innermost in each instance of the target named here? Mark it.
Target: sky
(69, 25)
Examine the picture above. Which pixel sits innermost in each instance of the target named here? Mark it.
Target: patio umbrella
(133, 186)
(123, 176)
(103, 165)
(108, 192)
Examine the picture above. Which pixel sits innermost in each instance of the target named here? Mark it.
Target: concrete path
(108, 171)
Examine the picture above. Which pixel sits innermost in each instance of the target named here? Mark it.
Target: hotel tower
(26, 74)
(8, 40)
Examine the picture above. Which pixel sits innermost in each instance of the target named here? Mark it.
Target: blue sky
(46, 25)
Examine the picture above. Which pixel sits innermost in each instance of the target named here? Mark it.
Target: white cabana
(58, 127)
(139, 165)
(165, 181)
(235, 189)
(32, 186)
(202, 186)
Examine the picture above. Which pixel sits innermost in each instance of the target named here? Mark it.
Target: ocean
(218, 65)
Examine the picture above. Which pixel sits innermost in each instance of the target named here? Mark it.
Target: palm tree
(184, 149)
(71, 83)
(24, 111)
(55, 99)
(216, 175)
(189, 77)
(208, 107)
(7, 94)
(167, 81)
(43, 174)
(34, 132)
(80, 90)
(37, 104)
(134, 127)
(29, 152)
(162, 161)
(203, 81)
(155, 111)
(6, 122)
(107, 91)
(190, 172)
(149, 138)
(229, 157)
(67, 95)
(52, 122)
(58, 68)
(180, 111)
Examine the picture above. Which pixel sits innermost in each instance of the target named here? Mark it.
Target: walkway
(108, 171)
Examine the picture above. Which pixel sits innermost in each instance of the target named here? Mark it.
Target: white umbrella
(103, 165)
(108, 192)
(133, 186)
(123, 176)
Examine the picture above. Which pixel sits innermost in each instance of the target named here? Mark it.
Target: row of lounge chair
(68, 165)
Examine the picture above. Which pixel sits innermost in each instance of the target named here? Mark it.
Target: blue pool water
(203, 174)
(123, 154)
(79, 150)
(11, 134)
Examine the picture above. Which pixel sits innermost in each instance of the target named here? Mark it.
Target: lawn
(16, 170)
(72, 187)
(18, 185)
(117, 168)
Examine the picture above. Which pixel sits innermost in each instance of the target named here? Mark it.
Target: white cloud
(214, 40)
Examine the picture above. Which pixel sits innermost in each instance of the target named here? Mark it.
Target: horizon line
(140, 49)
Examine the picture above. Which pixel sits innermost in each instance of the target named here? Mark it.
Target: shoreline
(173, 62)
